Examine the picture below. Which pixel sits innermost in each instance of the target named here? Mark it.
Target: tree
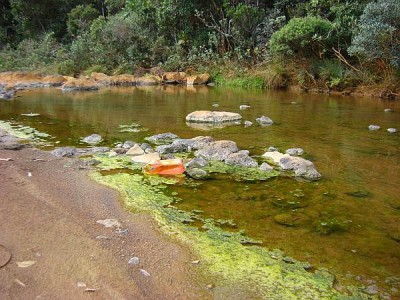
(80, 18)
(378, 34)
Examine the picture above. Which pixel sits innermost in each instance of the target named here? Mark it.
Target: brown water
(333, 130)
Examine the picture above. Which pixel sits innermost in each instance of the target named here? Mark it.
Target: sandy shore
(48, 215)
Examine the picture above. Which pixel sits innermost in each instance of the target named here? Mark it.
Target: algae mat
(261, 273)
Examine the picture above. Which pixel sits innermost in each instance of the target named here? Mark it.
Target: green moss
(26, 133)
(250, 269)
(240, 173)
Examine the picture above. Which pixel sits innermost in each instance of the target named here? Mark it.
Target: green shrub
(308, 37)
(80, 18)
(378, 37)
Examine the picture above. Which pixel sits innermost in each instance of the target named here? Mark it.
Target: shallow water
(349, 221)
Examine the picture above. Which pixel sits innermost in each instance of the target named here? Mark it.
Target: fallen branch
(343, 59)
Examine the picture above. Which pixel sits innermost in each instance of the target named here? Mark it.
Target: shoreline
(57, 229)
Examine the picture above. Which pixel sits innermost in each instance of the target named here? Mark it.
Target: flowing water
(348, 222)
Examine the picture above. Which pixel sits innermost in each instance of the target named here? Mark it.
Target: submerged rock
(295, 151)
(264, 121)
(80, 84)
(243, 107)
(374, 127)
(200, 142)
(248, 123)
(219, 150)
(392, 130)
(274, 156)
(301, 167)
(197, 173)
(388, 110)
(93, 139)
(241, 159)
(205, 116)
(64, 152)
(163, 138)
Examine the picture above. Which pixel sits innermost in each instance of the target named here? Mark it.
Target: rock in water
(392, 130)
(219, 150)
(241, 159)
(135, 151)
(205, 116)
(274, 156)
(374, 127)
(146, 158)
(264, 121)
(248, 123)
(92, 139)
(64, 152)
(265, 167)
(243, 107)
(295, 151)
(163, 138)
(301, 167)
(197, 173)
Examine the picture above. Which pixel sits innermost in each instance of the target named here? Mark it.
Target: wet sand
(50, 218)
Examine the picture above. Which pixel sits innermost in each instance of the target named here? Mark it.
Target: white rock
(275, 156)
(146, 158)
(135, 151)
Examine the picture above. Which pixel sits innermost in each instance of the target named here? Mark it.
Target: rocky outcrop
(174, 77)
(23, 80)
(147, 81)
(123, 80)
(80, 84)
(206, 116)
(198, 79)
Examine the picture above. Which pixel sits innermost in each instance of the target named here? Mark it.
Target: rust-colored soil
(50, 218)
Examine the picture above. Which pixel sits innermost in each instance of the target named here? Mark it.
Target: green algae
(26, 133)
(251, 269)
(240, 173)
(132, 128)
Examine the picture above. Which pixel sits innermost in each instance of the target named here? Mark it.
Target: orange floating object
(166, 167)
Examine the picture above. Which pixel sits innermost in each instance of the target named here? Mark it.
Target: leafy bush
(80, 18)
(378, 35)
(307, 36)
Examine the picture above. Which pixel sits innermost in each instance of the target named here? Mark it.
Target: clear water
(360, 189)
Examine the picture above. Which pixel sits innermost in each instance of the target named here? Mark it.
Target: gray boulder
(64, 152)
(163, 138)
(219, 150)
(264, 121)
(199, 142)
(241, 159)
(197, 162)
(92, 139)
(301, 167)
(146, 148)
(197, 173)
(295, 151)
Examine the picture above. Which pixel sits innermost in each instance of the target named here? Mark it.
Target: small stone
(272, 149)
(295, 151)
(209, 286)
(197, 173)
(92, 139)
(134, 261)
(374, 127)
(371, 290)
(392, 130)
(135, 151)
(247, 123)
(215, 105)
(109, 223)
(128, 144)
(195, 262)
(81, 285)
(265, 167)
(264, 121)
(243, 107)
(145, 273)
(388, 110)
(112, 154)
(146, 158)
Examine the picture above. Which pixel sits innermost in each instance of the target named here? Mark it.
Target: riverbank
(49, 216)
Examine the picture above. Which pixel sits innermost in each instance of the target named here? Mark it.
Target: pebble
(374, 127)
(134, 261)
(243, 107)
(248, 123)
(392, 130)
(145, 273)
(388, 110)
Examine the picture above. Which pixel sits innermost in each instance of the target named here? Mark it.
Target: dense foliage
(334, 43)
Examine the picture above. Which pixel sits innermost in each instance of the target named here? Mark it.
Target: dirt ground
(48, 215)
